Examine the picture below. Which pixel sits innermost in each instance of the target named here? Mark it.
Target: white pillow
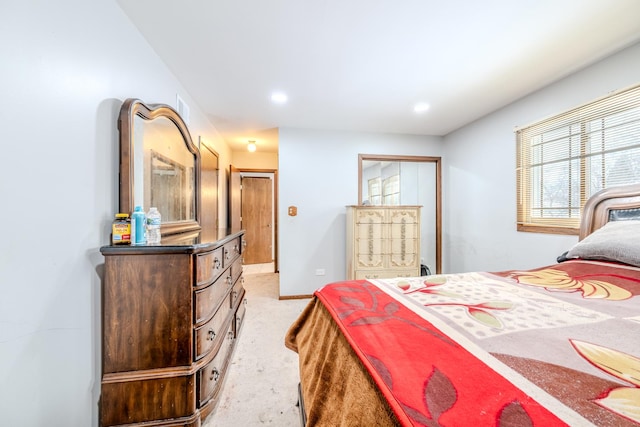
(615, 241)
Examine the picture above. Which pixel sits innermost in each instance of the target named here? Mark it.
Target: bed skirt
(336, 388)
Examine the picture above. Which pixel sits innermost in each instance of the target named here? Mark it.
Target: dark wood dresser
(171, 315)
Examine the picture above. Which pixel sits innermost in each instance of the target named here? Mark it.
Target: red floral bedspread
(558, 345)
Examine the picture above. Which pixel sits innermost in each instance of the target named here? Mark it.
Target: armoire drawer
(209, 266)
(386, 273)
(374, 260)
(403, 261)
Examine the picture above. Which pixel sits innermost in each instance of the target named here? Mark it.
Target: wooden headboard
(610, 204)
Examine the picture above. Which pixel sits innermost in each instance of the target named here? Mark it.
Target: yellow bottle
(121, 230)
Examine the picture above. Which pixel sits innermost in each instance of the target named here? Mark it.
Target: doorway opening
(253, 195)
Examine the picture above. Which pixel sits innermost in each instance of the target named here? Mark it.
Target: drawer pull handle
(215, 374)
(226, 254)
(236, 249)
(229, 279)
(216, 264)
(212, 334)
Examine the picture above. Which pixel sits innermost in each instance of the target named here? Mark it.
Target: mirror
(159, 165)
(388, 180)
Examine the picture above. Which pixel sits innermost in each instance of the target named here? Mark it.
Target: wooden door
(257, 213)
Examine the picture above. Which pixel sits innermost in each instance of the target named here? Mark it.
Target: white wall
(318, 173)
(479, 174)
(256, 160)
(66, 68)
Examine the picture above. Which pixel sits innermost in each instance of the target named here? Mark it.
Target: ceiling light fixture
(251, 146)
(421, 107)
(279, 97)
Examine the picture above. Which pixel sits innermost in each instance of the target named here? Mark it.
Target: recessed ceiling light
(279, 97)
(421, 107)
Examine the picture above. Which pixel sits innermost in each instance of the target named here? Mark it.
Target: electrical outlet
(320, 272)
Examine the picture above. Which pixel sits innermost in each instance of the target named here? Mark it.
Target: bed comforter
(558, 345)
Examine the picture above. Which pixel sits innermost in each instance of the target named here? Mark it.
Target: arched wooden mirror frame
(438, 191)
(132, 108)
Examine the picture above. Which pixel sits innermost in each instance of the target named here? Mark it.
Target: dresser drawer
(138, 400)
(231, 250)
(237, 292)
(236, 269)
(211, 332)
(209, 266)
(239, 318)
(209, 299)
(210, 377)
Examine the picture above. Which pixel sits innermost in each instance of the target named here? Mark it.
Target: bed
(556, 345)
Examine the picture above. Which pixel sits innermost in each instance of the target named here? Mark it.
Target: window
(391, 190)
(563, 160)
(375, 197)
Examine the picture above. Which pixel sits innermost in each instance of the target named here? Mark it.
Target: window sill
(548, 230)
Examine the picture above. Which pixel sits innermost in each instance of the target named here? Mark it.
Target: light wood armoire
(383, 242)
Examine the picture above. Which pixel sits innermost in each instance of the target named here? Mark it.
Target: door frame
(437, 161)
(240, 171)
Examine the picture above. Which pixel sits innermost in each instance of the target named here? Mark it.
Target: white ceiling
(362, 65)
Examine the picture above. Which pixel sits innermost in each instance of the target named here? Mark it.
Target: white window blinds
(563, 160)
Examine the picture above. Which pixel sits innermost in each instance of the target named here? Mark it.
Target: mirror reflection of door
(234, 198)
(389, 180)
(168, 188)
(257, 218)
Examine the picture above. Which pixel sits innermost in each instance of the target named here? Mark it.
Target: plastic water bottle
(153, 227)
(138, 230)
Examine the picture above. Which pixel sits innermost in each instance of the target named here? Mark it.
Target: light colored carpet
(261, 384)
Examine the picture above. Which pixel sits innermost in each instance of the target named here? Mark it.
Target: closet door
(410, 181)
